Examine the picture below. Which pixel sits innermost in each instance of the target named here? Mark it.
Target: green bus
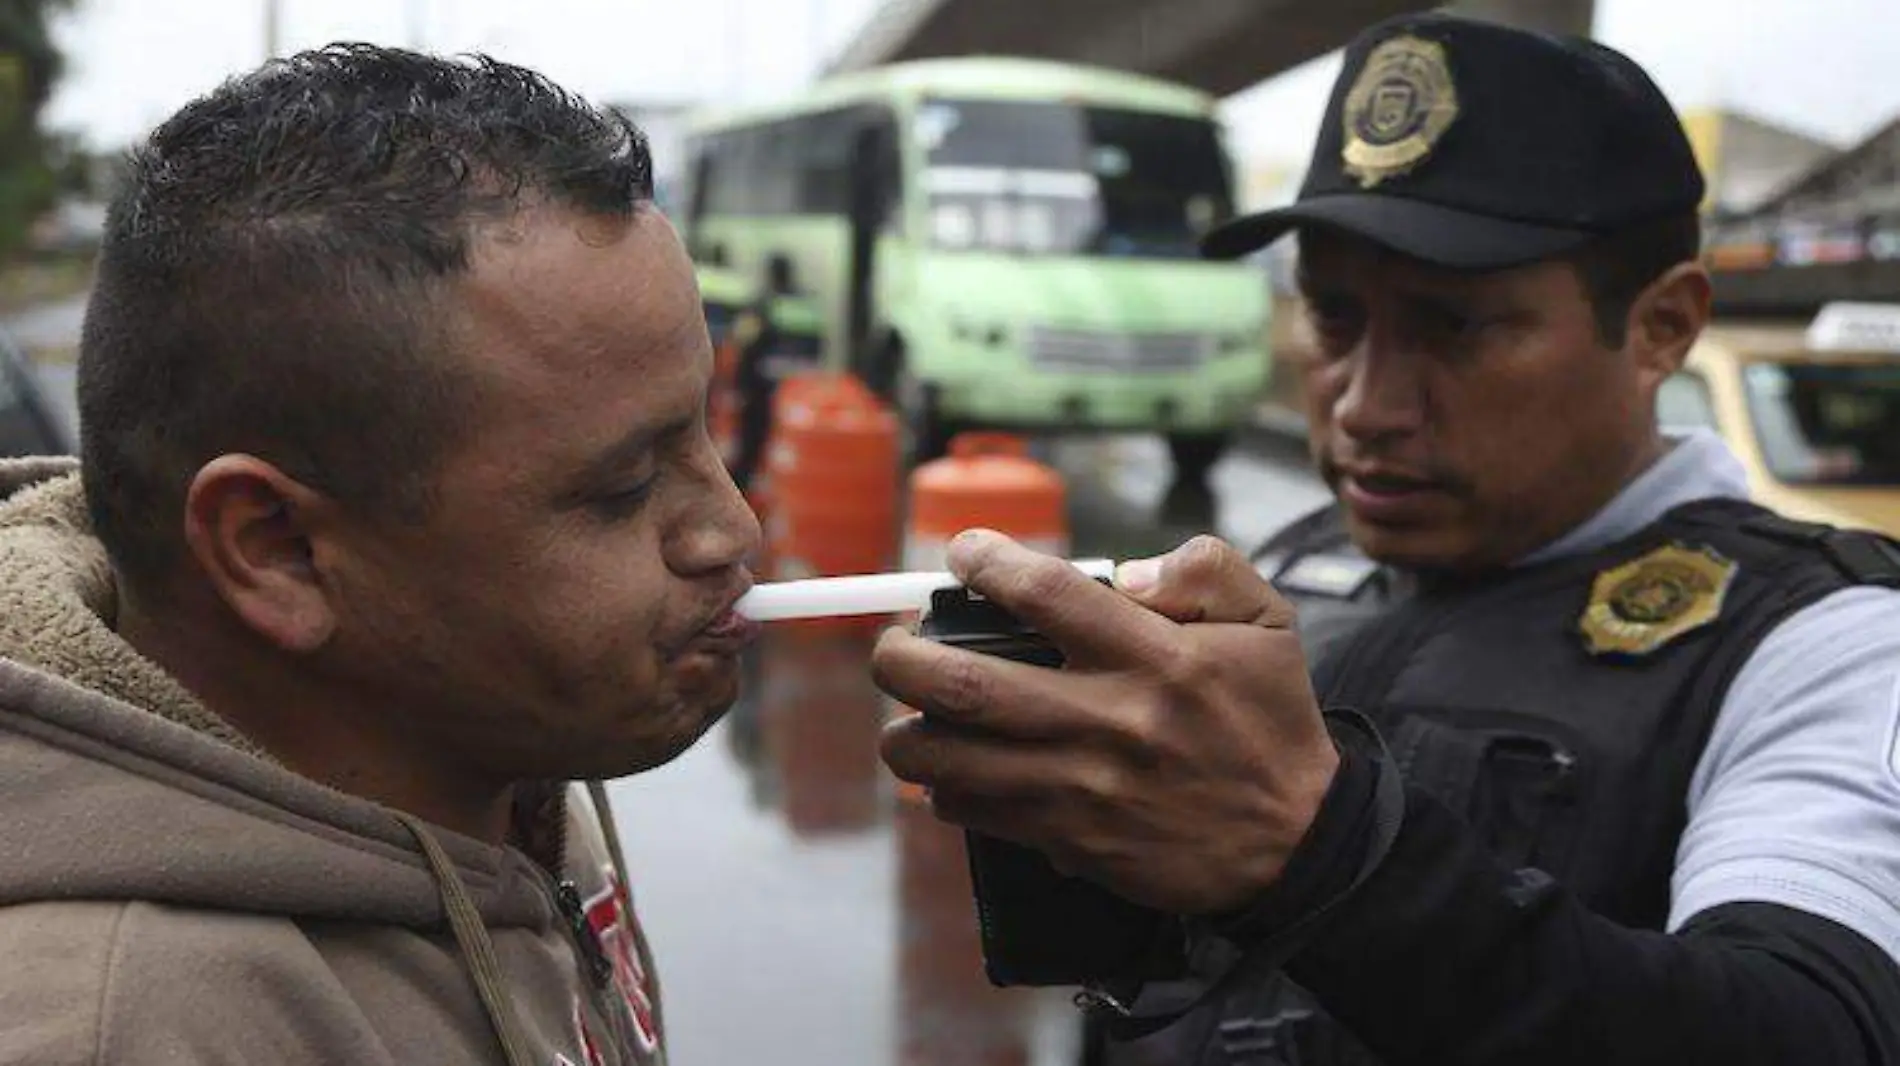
(999, 243)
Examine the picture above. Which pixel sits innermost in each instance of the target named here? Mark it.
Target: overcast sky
(1830, 67)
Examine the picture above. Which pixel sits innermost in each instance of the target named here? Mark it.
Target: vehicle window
(824, 162)
(1067, 179)
(777, 170)
(1827, 424)
(730, 188)
(1683, 403)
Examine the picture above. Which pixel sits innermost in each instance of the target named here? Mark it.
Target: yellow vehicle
(1814, 414)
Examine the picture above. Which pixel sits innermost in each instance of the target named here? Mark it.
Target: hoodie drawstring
(477, 947)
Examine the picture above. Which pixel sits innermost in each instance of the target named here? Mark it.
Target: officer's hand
(1177, 760)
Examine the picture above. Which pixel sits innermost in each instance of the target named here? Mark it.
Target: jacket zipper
(594, 960)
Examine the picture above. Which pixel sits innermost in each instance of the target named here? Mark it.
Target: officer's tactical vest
(1561, 707)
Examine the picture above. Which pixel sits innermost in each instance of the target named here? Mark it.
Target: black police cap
(1476, 146)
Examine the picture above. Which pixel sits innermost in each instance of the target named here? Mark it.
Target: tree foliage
(33, 164)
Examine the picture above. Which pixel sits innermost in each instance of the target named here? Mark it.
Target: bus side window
(703, 173)
(824, 170)
(725, 174)
(776, 170)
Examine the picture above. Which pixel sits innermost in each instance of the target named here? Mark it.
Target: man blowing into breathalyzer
(396, 513)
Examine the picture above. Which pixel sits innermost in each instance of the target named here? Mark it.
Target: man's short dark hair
(1616, 268)
(272, 272)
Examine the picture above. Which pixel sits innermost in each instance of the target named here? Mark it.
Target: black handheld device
(1038, 926)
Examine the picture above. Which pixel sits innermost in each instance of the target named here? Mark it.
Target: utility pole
(418, 24)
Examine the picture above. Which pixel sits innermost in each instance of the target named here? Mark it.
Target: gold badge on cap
(1644, 604)
(1397, 109)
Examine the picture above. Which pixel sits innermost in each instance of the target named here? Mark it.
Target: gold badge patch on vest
(1644, 604)
(1397, 109)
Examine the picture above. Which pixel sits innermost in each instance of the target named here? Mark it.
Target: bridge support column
(1550, 16)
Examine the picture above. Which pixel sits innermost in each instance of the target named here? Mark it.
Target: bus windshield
(1049, 178)
(1827, 423)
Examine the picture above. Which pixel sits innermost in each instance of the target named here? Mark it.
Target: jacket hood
(116, 784)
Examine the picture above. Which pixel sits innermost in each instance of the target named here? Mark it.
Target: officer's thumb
(1204, 580)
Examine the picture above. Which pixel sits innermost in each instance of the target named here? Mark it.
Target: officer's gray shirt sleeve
(1796, 799)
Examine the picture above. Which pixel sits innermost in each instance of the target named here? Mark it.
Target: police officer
(1624, 784)
(777, 337)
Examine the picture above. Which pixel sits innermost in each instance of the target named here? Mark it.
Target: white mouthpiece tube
(831, 597)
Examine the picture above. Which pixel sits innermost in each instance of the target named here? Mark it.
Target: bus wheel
(1195, 454)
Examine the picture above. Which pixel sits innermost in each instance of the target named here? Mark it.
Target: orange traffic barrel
(987, 480)
(833, 466)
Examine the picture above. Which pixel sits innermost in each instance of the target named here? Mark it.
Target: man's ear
(250, 527)
(1666, 320)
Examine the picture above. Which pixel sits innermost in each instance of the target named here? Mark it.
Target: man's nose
(1384, 395)
(721, 531)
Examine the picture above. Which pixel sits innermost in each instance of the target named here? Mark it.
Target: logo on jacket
(1400, 105)
(1645, 604)
(609, 914)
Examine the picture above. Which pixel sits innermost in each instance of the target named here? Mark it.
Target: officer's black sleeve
(1442, 955)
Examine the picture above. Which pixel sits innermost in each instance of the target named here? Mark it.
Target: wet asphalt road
(801, 912)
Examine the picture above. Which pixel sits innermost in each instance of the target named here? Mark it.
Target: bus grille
(1104, 352)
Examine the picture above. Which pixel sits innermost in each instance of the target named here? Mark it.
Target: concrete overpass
(1218, 46)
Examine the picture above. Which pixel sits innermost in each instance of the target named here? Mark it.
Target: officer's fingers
(1018, 819)
(975, 767)
(981, 691)
(1002, 790)
(1083, 617)
(1205, 580)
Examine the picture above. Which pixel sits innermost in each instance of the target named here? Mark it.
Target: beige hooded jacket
(168, 894)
